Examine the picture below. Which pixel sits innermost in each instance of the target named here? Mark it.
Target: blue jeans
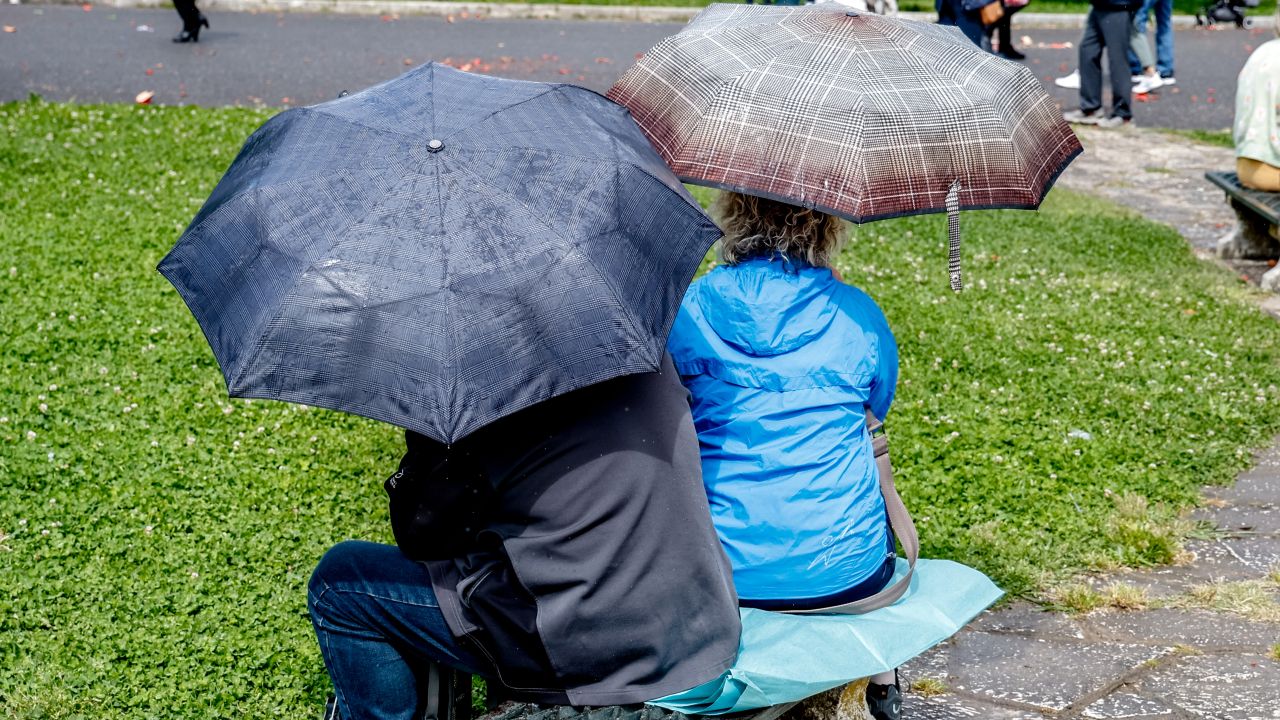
(379, 625)
(1164, 35)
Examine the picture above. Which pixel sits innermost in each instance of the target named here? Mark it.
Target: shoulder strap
(899, 521)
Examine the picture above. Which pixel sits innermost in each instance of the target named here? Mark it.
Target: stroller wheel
(1245, 23)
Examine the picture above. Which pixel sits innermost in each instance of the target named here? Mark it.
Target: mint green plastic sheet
(786, 658)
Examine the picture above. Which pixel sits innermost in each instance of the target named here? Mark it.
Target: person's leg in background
(1140, 18)
(1114, 26)
(379, 626)
(1090, 64)
(1138, 45)
(1003, 30)
(1258, 175)
(1164, 38)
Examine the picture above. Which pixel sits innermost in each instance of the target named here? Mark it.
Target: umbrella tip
(851, 13)
(343, 94)
(435, 146)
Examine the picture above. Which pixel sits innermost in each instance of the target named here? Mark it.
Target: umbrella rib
(628, 163)
(339, 118)
(577, 247)
(502, 109)
(259, 346)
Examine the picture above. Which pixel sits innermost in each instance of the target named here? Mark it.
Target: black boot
(192, 35)
(885, 701)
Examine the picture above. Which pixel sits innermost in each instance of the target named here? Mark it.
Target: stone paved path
(1173, 658)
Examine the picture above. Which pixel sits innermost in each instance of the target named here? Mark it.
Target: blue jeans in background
(1164, 35)
(379, 625)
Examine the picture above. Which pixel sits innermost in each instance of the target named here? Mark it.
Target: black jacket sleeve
(437, 501)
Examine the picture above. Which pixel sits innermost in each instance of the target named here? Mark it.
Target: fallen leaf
(150, 71)
(408, 61)
(10, 28)
(448, 19)
(565, 71)
(86, 7)
(144, 97)
(603, 61)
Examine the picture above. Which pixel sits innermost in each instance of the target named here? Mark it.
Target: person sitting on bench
(565, 553)
(1257, 123)
(783, 360)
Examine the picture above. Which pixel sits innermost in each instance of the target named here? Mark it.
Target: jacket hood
(761, 312)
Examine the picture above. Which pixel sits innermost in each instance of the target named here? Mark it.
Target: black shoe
(1011, 54)
(192, 35)
(884, 701)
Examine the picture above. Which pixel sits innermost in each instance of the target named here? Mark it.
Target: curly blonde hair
(755, 227)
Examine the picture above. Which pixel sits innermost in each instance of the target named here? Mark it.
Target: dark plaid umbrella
(440, 250)
(859, 115)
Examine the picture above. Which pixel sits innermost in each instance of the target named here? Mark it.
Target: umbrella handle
(953, 236)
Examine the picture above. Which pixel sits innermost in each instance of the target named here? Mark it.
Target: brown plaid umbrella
(859, 115)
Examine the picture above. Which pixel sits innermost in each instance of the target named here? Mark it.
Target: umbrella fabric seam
(691, 205)
(258, 339)
(652, 362)
(475, 124)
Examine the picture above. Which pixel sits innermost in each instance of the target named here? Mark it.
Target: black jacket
(570, 544)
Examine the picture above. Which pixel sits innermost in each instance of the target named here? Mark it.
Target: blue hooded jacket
(781, 359)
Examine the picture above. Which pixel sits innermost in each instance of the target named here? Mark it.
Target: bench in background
(1256, 235)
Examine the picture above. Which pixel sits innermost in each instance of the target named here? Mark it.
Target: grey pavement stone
(1251, 518)
(1197, 628)
(1259, 485)
(1227, 559)
(1159, 582)
(1039, 673)
(1127, 706)
(933, 663)
(1027, 619)
(1242, 558)
(952, 707)
(1223, 687)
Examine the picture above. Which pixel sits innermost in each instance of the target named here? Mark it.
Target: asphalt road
(108, 55)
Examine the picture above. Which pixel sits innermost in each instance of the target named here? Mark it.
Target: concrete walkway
(1200, 639)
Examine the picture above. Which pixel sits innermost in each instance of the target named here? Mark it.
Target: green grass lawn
(156, 537)
(1221, 138)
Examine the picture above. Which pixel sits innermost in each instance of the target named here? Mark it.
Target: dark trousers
(1106, 29)
(189, 12)
(1003, 29)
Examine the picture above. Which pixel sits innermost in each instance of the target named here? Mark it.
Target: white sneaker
(1135, 79)
(1147, 84)
(1070, 82)
(1171, 80)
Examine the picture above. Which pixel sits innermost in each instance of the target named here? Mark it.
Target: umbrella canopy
(440, 250)
(859, 115)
